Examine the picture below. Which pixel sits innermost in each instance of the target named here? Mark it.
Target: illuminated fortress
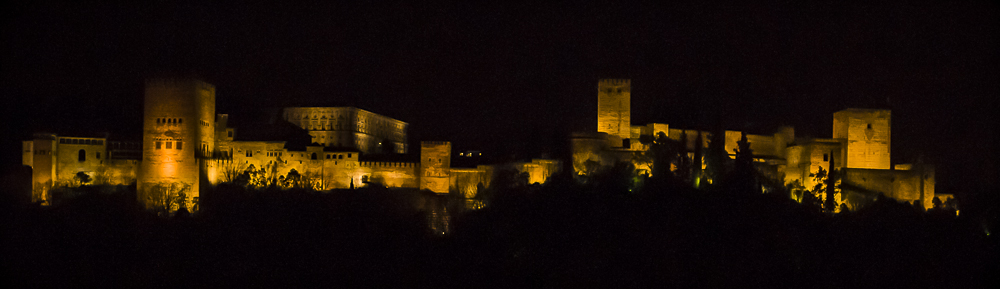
(186, 147)
(859, 148)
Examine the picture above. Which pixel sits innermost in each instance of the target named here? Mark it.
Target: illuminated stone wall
(808, 157)
(69, 160)
(42, 160)
(613, 111)
(178, 127)
(539, 170)
(390, 174)
(117, 172)
(467, 181)
(56, 160)
(435, 166)
(911, 185)
(351, 128)
(868, 135)
(590, 149)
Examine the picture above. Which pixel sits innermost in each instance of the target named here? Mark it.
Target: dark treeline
(563, 234)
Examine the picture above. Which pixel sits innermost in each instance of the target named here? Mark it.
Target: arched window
(314, 156)
(82, 156)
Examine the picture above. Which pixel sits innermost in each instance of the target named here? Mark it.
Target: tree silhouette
(662, 152)
(697, 175)
(716, 157)
(82, 178)
(683, 162)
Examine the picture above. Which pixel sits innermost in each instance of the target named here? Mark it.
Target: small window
(180, 145)
(313, 156)
(180, 120)
(327, 156)
(82, 156)
(249, 153)
(98, 155)
(170, 144)
(869, 126)
(159, 144)
(342, 156)
(826, 157)
(348, 155)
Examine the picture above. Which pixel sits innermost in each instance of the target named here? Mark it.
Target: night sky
(514, 78)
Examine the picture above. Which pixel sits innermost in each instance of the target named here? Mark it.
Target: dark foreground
(554, 236)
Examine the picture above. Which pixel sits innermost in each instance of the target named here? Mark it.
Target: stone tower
(613, 109)
(178, 134)
(435, 166)
(867, 133)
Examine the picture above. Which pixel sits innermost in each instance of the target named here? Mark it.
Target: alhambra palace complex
(186, 147)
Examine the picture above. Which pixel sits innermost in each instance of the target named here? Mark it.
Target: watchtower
(868, 135)
(613, 109)
(435, 166)
(178, 132)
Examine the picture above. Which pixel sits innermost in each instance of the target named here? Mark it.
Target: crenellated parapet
(387, 165)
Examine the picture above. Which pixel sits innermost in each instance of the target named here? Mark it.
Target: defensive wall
(912, 185)
(435, 166)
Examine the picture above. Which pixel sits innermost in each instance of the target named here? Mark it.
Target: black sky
(512, 76)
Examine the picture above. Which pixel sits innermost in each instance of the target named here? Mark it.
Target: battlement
(179, 81)
(435, 143)
(614, 82)
(386, 165)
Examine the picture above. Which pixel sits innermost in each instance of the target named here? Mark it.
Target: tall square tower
(435, 166)
(178, 132)
(868, 134)
(613, 108)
